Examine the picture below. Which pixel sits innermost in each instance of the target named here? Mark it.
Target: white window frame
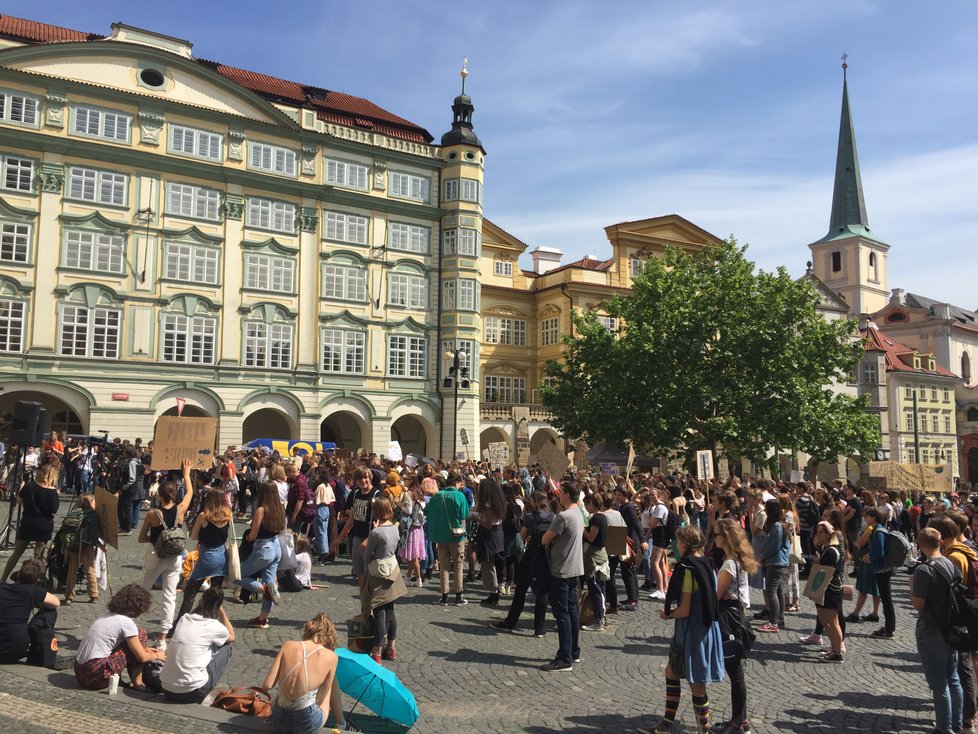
(344, 282)
(506, 389)
(13, 321)
(348, 174)
(460, 294)
(549, 331)
(349, 351)
(19, 171)
(503, 268)
(17, 107)
(269, 273)
(93, 333)
(947, 394)
(407, 291)
(610, 323)
(636, 264)
(267, 346)
(191, 263)
(15, 242)
(98, 119)
(409, 186)
(196, 143)
(870, 375)
(345, 227)
(947, 424)
(406, 356)
(908, 417)
(194, 202)
(97, 252)
(408, 237)
(199, 339)
(272, 158)
(463, 189)
(95, 186)
(271, 214)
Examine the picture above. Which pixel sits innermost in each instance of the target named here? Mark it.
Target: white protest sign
(394, 451)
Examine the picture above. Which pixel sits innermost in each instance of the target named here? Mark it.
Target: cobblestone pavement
(468, 678)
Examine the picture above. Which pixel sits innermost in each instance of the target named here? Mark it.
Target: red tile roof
(343, 109)
(877, 341)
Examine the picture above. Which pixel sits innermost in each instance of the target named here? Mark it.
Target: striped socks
(673, 692)
(701, 707)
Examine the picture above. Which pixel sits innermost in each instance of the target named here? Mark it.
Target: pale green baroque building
(291, 260)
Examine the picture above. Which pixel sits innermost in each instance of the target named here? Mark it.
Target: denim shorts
(300, 721)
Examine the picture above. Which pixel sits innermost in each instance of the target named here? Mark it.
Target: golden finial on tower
(845, 66)
(465, 71)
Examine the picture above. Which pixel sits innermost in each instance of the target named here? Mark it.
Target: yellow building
(271, 252)
(525, 314)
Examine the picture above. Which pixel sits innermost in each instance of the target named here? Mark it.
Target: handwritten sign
(107, 509)
(876, 484)
(553, 460)
(179, 438)
(928, 477)
(499, 453)
(631, 459)
(394, 451)
(608, 468)
(704, 465)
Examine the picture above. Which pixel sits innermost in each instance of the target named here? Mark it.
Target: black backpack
(673, 523)
(960, 629)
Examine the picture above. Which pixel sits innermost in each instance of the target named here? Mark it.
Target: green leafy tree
(712, 352)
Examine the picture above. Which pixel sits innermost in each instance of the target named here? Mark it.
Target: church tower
(459, 322)
(850, 259)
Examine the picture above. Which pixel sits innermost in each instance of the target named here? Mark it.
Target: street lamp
(458, 376)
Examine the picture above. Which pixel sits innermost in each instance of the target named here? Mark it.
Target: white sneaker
(657, 595)
(205, 586)
(161, 644)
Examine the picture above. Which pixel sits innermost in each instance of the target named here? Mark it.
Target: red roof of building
(343, 109)
(877, 341)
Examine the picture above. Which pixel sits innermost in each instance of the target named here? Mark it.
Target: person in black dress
(39, 502)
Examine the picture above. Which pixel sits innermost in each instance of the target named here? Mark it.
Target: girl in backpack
(166, 516)
(81, 550)
(874, 554)
(696, 651)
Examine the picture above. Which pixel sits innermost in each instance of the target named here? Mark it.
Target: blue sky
(595, 113)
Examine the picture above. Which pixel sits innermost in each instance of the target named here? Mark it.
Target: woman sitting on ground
(114, 643)
(17, 601)
(199, 650)
(305, 673)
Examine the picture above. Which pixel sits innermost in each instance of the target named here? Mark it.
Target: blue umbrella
(376, 687)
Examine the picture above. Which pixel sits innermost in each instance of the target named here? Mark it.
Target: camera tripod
(8, 535)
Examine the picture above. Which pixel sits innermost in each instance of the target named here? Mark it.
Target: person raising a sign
(160, 559)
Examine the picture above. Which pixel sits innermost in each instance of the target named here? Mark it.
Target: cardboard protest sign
(631, 459)
(107, 509)
(818, 583)
(928, 477)
(796, 476)
(608, 468)
(394, 451)
(614, 541)
(553, 460)
(580, 455)
(498, 453)
(704, 465)
(410, 462)
(178, 438)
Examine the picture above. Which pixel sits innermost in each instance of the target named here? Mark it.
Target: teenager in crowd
(38, 500)
(211, 533)
(17, 601)
(774, 559)
(696, 650)
(378, 593)
(831, 544)
(259, 570)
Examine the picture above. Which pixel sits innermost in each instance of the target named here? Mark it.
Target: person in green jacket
(447, 511)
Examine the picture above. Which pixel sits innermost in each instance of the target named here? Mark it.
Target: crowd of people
(694, 549)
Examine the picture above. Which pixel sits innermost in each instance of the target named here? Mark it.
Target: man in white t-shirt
(199, 651)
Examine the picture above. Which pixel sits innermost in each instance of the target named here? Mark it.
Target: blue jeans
(301, 721)
(322, 529)
(429, 553)
(941, 671)
(136, 506)
(595, 590)
(563, 603)
(261, 567)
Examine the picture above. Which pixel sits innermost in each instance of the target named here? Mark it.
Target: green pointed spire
(848, 206)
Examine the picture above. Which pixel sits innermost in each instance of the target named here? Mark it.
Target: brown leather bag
(252, 701)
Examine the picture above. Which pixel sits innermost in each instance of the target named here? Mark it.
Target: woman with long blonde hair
(262, 563)
(733, 594)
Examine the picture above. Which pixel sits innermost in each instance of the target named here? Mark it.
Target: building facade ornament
(380, 175)
(150, 124)
(236, 140)
(233, 206)
(54, 110)
(52, 178)
(309, 159)
(307, 220)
